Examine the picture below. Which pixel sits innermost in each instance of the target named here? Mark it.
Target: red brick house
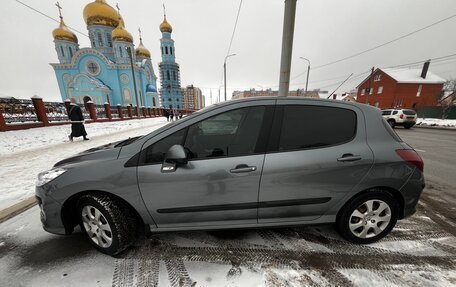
(404, 88)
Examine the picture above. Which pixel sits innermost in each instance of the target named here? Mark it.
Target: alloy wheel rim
(370, 218)
(96, 226)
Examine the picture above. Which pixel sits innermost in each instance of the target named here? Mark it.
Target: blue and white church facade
(102, 73)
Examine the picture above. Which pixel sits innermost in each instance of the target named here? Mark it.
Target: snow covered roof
(412, 76)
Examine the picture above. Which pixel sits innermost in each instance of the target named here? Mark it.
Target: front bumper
(50, 212)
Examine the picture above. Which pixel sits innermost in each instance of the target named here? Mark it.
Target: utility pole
(287, 47)
(370, 86)
(308, 71)
(130, 55)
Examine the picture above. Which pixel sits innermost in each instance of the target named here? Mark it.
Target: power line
(235, 25)
(47, 16)
(381, 45)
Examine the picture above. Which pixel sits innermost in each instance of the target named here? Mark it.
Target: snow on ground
(25, 153)
(436, 122)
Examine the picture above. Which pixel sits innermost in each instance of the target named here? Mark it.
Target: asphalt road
(438, 150)
(420, 251)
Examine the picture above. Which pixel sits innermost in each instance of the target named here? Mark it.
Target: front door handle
(241, 168)
(349, 157)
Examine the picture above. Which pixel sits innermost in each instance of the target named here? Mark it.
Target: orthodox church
(103, 72)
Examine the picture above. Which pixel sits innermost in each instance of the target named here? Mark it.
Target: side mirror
(174, 156)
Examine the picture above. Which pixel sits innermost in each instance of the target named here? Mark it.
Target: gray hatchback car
(258, 162)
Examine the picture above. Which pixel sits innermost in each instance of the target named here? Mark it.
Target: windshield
(409, 112)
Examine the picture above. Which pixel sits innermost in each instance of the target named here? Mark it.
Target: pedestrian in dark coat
(77, 122)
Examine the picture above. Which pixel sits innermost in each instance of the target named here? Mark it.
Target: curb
(16, 209)
(436, 128)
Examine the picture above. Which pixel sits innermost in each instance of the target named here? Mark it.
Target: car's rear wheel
(109, 224)
(392, 123)
(368, 217)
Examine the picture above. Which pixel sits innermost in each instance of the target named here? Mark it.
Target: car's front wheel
(368, 217)
(109, 224)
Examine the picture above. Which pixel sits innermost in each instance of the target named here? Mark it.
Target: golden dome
(63, 33)
(165, 26)
(120, 34)
(142, 51)
(100, 13)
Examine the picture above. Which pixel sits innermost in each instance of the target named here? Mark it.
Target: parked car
(400, 117)
(257, 162)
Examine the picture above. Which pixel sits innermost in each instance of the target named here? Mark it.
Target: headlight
(49, 175)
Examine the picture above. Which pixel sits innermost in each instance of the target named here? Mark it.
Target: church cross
(118, 9)
(60, 9)
(139, 30)
(164, 10)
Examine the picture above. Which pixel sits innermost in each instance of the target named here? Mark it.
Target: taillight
(411, 156)
(401, 116)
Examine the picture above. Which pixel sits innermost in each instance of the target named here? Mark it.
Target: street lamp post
(224, 71)
(130, 55)
(308, 70)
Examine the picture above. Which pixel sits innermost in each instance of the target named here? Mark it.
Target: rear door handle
(349, 157)
(241, 168)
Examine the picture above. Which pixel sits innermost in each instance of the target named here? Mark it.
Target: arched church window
(174, 75)
(100, 39)
(120, 51)
(108, 37)
(127, 96)
(167, 75)
(166, 51)
(162, 50)
(61, 51)
(71, 52)
(153, 102)
(92, 39)
(171, 50)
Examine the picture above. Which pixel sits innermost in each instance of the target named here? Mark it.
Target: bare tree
(447, 97)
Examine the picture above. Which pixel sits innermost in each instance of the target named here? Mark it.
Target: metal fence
(85, 111)
(56, 112)
(100, 111)
(17, 110)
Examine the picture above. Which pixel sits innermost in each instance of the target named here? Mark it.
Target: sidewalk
(24, 154)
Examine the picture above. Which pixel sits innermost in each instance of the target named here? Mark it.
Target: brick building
(405, 88)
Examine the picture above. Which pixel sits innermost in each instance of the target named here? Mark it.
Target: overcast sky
(325, 31)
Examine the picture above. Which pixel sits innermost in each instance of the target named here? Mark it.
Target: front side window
(233, 133)
(306, 127)
(156, 152)
(386, 113)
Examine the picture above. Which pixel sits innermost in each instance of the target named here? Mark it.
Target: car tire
(368, 217)
(407, 126)
(109, 224)
(392, 123)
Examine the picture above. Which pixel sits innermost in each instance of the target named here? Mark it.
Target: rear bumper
(411, 192)
(50, 212)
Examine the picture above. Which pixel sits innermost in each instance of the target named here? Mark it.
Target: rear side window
(394, 112)
(306, 127)
(409, 112)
